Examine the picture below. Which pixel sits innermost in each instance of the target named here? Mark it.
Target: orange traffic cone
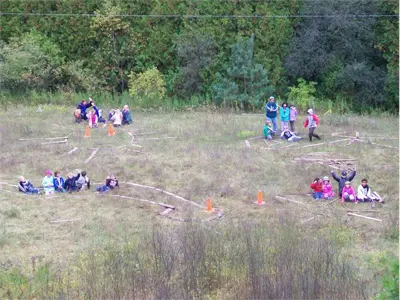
(87, 132)
(260, 198)
(111, 130)
(209, 207)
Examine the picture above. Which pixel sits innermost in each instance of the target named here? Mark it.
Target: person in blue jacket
(59, 183)
(284, 116)
(83, 106)
(271, 112)
(126, 116)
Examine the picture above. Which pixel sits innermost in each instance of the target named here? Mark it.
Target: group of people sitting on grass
(116, 116)
(57, 184)
(322, 189)
(288, 116)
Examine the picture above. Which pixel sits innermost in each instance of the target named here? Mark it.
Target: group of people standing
(116, 116)
(322, 189)
(288, 116)
(73, 183)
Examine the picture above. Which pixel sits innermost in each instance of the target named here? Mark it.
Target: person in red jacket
(311, 122)
(316, 186)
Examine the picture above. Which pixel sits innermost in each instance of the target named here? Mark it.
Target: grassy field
(194, 155)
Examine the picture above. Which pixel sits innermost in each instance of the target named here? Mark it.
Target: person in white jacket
(364, 192)
(117, 118)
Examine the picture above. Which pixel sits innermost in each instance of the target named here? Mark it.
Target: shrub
(148, 85)
(302, 95)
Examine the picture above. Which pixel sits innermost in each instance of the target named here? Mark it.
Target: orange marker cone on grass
(260, 198)
(209, 207)
(111, 130)
(87, 131)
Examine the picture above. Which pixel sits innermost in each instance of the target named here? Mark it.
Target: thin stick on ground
(164, 192)
(56, 142)
(290, 200)
(42, 138)
(64, 221)
(73, 150)
(364, 217)
(91, 156)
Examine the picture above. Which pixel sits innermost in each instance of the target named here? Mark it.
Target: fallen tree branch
(365, 217)
(64, 221)
(56, 142)
(52, 138)
(92, 155)
(73, 150)
(162, 138)
(287, 199)
(312, 218)
(164, 192)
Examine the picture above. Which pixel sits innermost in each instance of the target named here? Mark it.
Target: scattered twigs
(364, 217)
(73, 150)
(64, 221)
(92, 155)
(165, 192)
(308, 220)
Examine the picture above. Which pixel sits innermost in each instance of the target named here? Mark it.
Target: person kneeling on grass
(70, 183)
(268, 131)
(316, 186)
(111, 183)
(290, 136)
(327, 192)
(348, 193)
(59, 183)
(83, 181)
(26, 187)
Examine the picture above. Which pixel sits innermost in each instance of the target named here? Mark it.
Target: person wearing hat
(48, 183)
(327, 192)
(271, 111)
(341, 180)
(311, 122)
(348, 193)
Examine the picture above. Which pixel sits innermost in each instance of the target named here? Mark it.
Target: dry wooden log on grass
(364, 217)
(247, 143)
(56, 142)
(64, 221)
(91, 156)
(166, 211)
(162, 138)
(73, 150)
(164, 192)
(41, 138)
(290, 200)
(362, 210)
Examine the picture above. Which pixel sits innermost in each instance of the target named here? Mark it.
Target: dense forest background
(227, 52)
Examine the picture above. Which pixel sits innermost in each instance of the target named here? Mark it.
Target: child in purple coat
(348, 193)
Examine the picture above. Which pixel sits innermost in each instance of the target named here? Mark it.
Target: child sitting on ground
(83, 181)
(111, 183)
(268, 132)
(290, 136)
(327, 192)
(117, 118)
(70, 183)
(26, 187)
(77, 115)
(316, 186)
(59, 183)
(348, 193)
(48, 183)
(126, 115)
(364, 193)
(92, 119)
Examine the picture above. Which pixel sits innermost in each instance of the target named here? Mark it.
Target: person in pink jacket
(348, 193)
(327, 192)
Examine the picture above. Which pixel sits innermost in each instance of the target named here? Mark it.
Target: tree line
(158, 50)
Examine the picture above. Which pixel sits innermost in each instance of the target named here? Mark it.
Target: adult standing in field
(271, 112)
(284, 115)
(343, 179)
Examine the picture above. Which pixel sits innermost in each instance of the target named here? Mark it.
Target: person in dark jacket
(70, 183)
(342, 180)
(59, 182)
(126, 116)
(26, 187)
(111, 183)
(83, 106)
